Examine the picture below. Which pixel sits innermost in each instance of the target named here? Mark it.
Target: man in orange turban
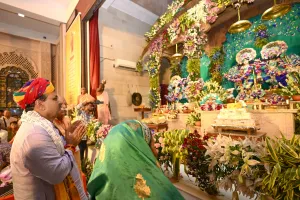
(39, 159)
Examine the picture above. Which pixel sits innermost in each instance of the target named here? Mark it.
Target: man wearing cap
(39, 159)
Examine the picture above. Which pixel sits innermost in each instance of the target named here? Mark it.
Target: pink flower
(211, 19)
(162, 145)
(157, 145)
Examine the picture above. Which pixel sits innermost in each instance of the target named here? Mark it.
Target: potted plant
(282, 164)
(194, 119)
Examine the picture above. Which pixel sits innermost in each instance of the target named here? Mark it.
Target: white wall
(121, 37)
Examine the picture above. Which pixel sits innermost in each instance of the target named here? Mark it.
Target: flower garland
(164, 19)
(153, 69)
(198, 13)
(194, 42)
(193, 90)
(257, 93)
(176, 88)
(216, 56)
(174, 30)
(261, 37)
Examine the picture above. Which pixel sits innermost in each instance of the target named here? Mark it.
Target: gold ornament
(177, 56)
(240, 25)
(276, 11)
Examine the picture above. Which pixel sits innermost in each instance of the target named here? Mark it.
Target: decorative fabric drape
(94, 54)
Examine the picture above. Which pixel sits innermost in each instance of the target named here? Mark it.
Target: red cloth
(32, 90)
(94, 54)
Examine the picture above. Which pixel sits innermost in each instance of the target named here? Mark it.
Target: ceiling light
(21, 15)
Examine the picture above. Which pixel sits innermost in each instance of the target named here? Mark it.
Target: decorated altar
(237, 78)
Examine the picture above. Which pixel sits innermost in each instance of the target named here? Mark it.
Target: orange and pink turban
(32, 90)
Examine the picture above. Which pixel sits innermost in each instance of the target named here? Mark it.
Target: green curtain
(204, 67)
(286, 28)
(184, 73)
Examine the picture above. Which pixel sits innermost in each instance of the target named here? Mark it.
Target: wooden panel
(84, 6)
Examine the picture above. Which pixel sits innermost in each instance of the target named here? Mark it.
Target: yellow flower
(141, 189)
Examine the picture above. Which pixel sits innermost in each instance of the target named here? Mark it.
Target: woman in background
(126, 167)
(103, 109)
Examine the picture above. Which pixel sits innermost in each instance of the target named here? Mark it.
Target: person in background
(42, 167)
(1, 113)
(103, 109)
(126, 167)
(3, 134)
(84, 96)
(85, 112)
(14, 127)
(7, 119)
(62, 122)
(5, 149)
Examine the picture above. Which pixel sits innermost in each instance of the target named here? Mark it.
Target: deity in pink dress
(103, 109)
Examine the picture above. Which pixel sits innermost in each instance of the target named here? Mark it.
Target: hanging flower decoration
(195, 40)
(174, 30)
(157, 45)
(212, 11)
(273, 49)
(193, 90)
(153, 64)
(154, 98)
(198, 13)
(261, 37)
(164, 19)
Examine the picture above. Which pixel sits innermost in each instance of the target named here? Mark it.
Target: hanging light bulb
(240, 25)
(276, 11)
(177, 56)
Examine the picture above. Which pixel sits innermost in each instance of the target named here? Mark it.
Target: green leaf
(276, 171)
(298, 173)
(293, 174)
(240, 178)
(289, 150)
(271, 150)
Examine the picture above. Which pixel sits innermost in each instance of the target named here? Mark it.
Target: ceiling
(41, 21)
(158, 8)
(43, 17)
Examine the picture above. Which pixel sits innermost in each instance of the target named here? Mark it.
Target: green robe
(126, 168)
